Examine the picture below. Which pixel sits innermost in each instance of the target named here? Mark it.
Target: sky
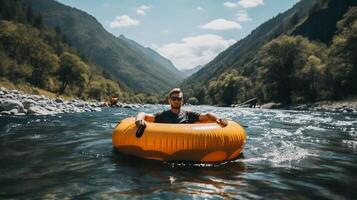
(187, 32)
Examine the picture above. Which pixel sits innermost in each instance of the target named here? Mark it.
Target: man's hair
(175, 90)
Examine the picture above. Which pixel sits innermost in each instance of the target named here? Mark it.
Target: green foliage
(72, 71)
(289, 59)
(192, 101)
(291, 70)
(32, 53)
(342, 67)
(137, 68)
(230, 88)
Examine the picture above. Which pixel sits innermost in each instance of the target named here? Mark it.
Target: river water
(288, 155)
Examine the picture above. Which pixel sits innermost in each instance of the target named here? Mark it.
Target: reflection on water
(288, 155)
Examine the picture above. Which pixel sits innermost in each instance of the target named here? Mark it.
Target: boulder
(28, 103)
(14, 111)
(37, 110)
(272, 105)
(5, 113)
(8, 105)
(14, 91)
(3, 89)
(59, 100)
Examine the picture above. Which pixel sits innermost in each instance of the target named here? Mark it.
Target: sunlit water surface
(288, 155)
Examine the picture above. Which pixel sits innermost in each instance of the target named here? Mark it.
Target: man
(176, 115)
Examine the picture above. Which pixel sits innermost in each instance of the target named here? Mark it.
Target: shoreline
(15, 102)
(18, 103)
(342, 106)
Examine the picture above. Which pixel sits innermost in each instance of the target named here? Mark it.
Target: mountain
(312, 19)
(151, 54)
(36, 58)
(135, 67)
(189, 72)
(240, 55)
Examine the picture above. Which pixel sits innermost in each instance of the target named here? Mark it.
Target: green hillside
(37, 56)
(134, 67)
(291, 58)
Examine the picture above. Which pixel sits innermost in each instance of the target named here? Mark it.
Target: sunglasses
(176, 98)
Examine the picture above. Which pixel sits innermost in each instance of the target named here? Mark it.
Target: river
(288, 155)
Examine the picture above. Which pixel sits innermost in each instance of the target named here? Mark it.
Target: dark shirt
(184, 117)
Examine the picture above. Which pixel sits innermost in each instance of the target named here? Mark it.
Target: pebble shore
(329, 106)
(322, 106)
(14, 102)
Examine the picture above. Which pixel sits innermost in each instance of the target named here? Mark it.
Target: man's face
(176, 100)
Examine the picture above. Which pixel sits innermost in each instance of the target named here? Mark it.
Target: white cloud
(243, 3)
(193, 51)
(199, 8)
(122, 21)
(141, 10)
(229, 4)
(250, 3)
(242, 16)
(221, 24)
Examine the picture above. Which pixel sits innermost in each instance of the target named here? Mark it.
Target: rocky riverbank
(329, 106)
(14, 102)
(323, 106)
(344, 106)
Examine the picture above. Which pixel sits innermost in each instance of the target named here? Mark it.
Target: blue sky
(188, 32)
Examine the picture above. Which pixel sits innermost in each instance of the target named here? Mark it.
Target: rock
(8, 105)
(8, 96)
(36, 110)
(28, 103)
(272, 105)
(349, 110)
(3, 89)
(14, 111)
(14, 91)
(50, 108)
(59, 100)
(5, 113)
(42, 97)
(14, 102)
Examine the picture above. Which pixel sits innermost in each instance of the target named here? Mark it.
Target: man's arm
(142, 117)
(214, 118)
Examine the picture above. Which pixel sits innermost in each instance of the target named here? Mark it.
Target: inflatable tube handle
(140, 131)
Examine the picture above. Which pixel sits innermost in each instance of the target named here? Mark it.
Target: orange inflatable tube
(200, 142)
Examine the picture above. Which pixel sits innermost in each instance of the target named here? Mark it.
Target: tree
(72, 71)
(192, 101)
(343, 53)
(290, 66)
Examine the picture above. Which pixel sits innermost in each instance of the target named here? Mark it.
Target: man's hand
(222, 122)
(140, 123)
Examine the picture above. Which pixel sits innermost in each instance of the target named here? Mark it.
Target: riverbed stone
(37, 110)
(14, 102)
(14, 111)
(59, 100)
(5, 113)
(272, 105)
(28, 103)
(8, 105)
